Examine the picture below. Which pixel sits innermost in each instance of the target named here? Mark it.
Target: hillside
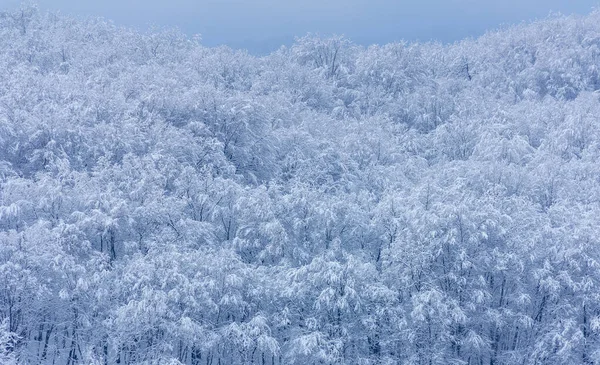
(162, 202)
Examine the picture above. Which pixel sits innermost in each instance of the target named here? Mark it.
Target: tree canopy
(162, 202)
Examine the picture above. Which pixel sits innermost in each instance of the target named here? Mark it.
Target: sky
(263, 25)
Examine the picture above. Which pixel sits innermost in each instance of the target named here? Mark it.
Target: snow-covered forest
(162, 202)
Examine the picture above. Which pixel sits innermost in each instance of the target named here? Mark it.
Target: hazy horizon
(264, 25)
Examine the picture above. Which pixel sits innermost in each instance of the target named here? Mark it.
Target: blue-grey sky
(264, 25)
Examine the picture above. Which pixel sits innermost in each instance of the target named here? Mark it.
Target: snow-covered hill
(166, 203)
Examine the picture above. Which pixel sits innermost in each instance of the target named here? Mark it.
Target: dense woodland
(162, 202)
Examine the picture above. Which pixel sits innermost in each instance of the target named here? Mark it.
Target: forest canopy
(162, 202)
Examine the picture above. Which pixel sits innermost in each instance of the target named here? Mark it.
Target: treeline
(162, 202)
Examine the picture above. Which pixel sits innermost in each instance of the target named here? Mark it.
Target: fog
(264, 25)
